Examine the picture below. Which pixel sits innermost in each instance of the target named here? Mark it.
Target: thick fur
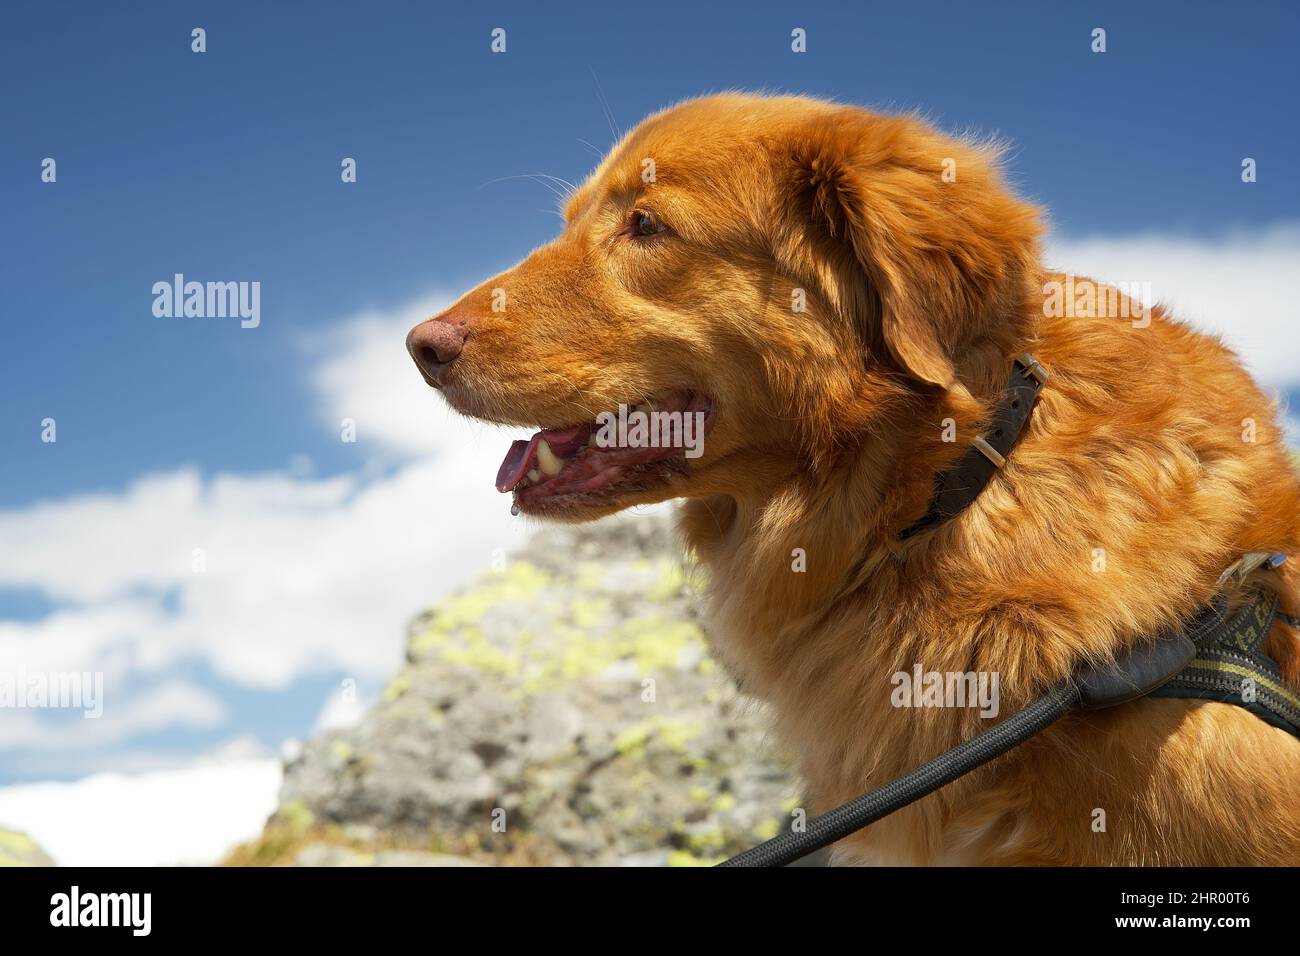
(828, 438)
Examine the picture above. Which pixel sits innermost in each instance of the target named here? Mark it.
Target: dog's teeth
(534, 474)
(550, 462)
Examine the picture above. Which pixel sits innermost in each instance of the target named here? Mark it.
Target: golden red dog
(831, 290)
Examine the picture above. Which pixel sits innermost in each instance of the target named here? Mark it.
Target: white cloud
(190, 815)
(1241, 286)
(103, 636)
(300, 574)
(363, 372)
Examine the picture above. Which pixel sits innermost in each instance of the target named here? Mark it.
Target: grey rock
(327, 854)
(563, 709)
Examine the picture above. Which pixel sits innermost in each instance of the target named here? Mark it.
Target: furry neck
(815, 607)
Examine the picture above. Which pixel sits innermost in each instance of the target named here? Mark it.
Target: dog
(836, 298)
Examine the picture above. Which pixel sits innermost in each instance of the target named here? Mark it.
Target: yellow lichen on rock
(571, 696)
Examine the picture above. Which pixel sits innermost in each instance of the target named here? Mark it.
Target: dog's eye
(643, 223)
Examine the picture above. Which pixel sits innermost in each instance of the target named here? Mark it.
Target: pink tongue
(518, 460)
(523, 454)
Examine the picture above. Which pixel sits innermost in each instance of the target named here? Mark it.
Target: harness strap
(1126, 678)
(1230, 668)
(1210, 657)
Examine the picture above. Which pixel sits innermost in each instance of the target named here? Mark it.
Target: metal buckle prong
(989, 452)
(1244, 566)
(1033, 367)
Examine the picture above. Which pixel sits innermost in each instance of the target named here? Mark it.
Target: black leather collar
(957, 488)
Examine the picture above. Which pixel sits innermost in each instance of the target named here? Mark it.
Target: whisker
(599, 153)
(535, 177)
(604, 103)
(556, 179)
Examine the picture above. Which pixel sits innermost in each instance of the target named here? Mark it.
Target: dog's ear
(912, 234)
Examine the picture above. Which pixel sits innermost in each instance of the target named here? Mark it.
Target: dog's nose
(435, 343)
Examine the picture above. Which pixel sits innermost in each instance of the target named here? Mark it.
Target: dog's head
(741, 286)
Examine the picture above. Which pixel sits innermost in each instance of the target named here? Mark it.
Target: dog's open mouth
(625, 450)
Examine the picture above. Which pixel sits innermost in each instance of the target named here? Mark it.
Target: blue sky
(225, 166)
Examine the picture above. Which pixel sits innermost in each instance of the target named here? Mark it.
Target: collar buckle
(1033, 367)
